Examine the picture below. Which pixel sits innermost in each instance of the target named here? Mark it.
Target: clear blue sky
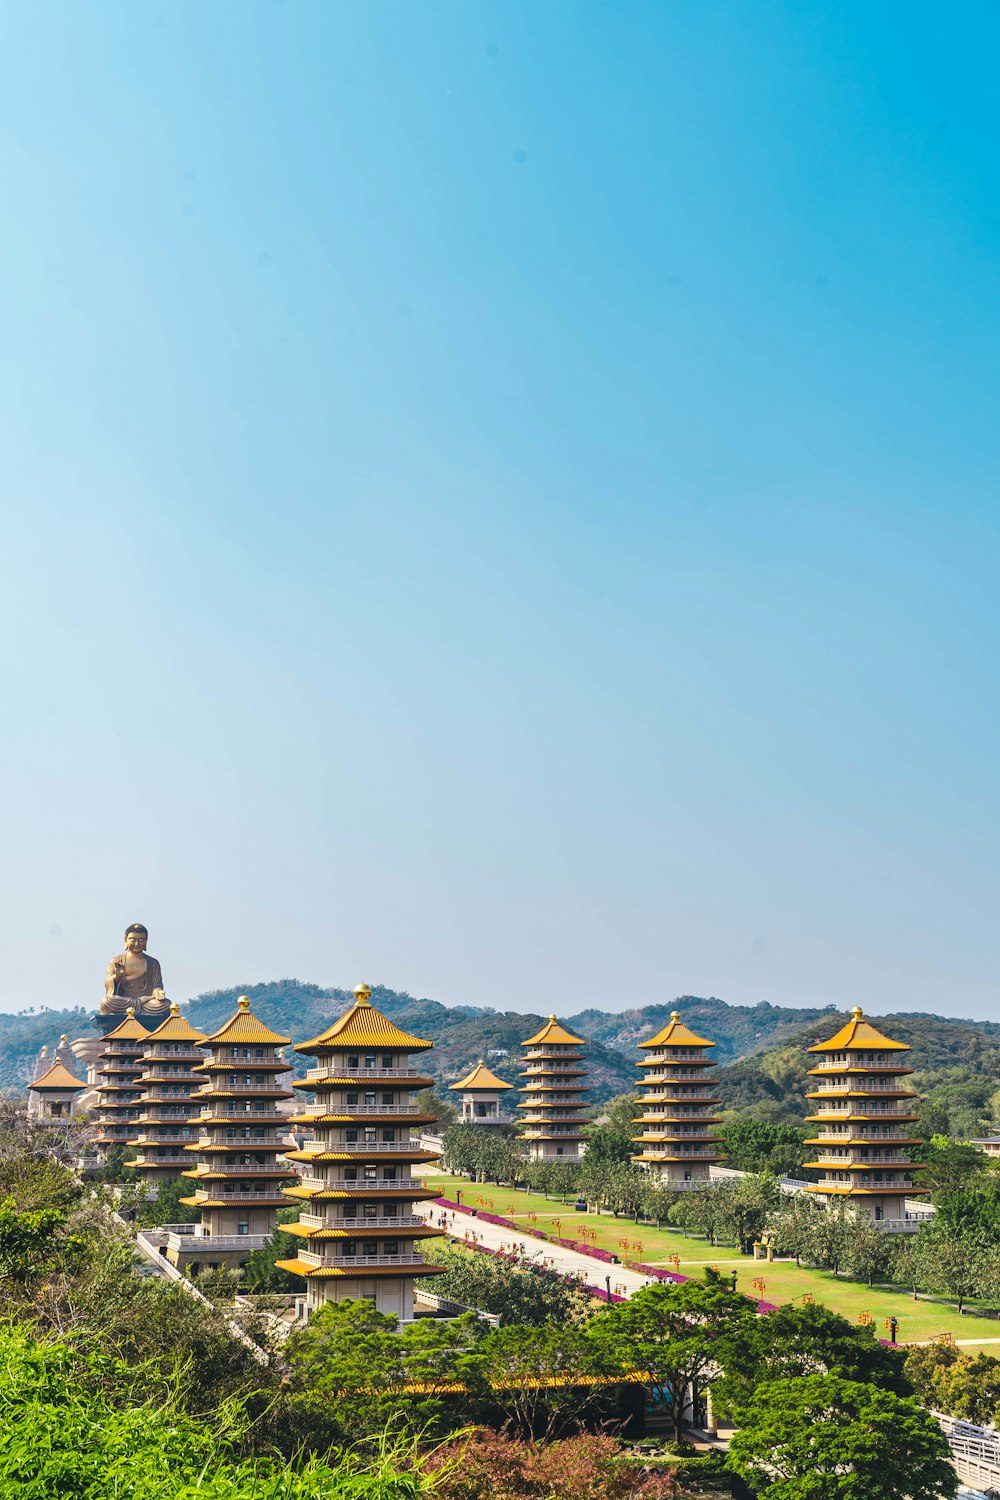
(501, 499)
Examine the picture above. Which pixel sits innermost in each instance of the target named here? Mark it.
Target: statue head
(136, 938)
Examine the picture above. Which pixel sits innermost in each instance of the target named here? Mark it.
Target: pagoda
(118, 1068)
(553, 1096)
(238, 1178)
(360, 1231)
(482, 1097)
(679, 1093)
(165, 1104)
(53, 1095)
(864, 1111)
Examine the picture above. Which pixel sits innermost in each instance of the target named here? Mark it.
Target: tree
(33, 1244)
(676, 1334)
(831, 1228)
(808, 1340)
(868, 1250)
(794, 1224)
(743, 1208)
(753, 1145)
(515, 1291)
(818, 1436)
(540, 1376)
(612, 1138)
(965, 1211)
(949, 1165)
(957, 1266)
(262, 1273)
(438, 1106)
(952, 1382)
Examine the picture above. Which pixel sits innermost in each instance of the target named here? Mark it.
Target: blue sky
(501, 499)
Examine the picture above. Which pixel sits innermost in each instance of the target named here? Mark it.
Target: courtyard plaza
(779, 1281)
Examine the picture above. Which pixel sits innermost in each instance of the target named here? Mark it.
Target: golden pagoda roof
(58, 1077)
(129, 1030)
(364, 1026)
(177, 1028)
(858, 1033)
(481, 1078)
(243, 1026)
(552, 1031)
(675, 1034)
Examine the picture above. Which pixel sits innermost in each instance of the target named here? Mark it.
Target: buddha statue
(134, 980)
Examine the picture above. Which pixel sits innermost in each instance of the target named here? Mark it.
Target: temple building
(553, 1101)
(678, 1095)
(118, 1067)
(53, 1095)
(360, 1233)
(239, 1176)
(482, 1097)
(168, 1082)
(864, 1112)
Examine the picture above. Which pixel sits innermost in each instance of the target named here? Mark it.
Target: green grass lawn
(783, 1281)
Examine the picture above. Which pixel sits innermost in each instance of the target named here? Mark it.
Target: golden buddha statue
(134, 980)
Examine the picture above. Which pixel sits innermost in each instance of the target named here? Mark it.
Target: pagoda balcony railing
(274, 1169)
(348, 1262)
(213, 1194)
(318, 1074)
(830, 1138)
(224, 1110)
(210, 1242)
(843, 1159)
(356, 1222)
(683, 1075)
(364, 1148)
(870, 1181)
(243, 1143)
(665, 1060)
(845, 1109)
(362, 1109)
(862, 1086)
(144, 1159)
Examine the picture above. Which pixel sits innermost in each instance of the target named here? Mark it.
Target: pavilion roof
(244, 1026)
(364, 1026)
(554, 1031)
(58, 1077)
(859, 1034)
(129, 1030)
(481, 1078)
(676, 1034)
(177, 1028)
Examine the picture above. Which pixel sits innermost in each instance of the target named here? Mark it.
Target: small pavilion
(482, 1097)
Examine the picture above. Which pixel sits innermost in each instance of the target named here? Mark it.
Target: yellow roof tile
(481, 1078)
(244, 1026)
(363, 1026)
(176, 1028)
(129, 1030)
(58, 1077)
(674, 1034)
(858, 1034)
(552, 1031)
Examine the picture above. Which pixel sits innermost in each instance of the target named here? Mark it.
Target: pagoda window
(369, 1247)
(371, 1173)
(351, 1133)
(350, 1174)
(388, 1097)
(390, 1210)
(388, 1174)
(353, 1060)
(371, 1135)
(370, 1096)
(369, 1210)
(352, 1097)
(387, 1059)
(243, 1227)
(369, 1060)
(349, 1248)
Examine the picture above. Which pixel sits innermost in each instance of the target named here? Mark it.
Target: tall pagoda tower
(679, 1093)
(238, 1178)
(118, 1088)
(864, 1114)
(482, 1097)
(165, 1104)
(360, 1232)
(554, 1094)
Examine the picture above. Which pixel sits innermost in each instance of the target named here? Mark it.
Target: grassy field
(783, 1281)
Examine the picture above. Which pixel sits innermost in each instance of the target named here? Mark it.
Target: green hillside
(761, 1048)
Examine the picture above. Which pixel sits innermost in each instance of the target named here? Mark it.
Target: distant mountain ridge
(746, 1036)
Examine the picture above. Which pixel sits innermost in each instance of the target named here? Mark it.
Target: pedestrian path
(461, 1227)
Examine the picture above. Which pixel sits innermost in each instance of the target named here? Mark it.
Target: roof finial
(362, 993)
(45, 1050)
(857, 1013)
(675, 1015)
(175, 1009)
(244, 1002)
(62, 1040)
(131, 1012)
(553, 1016)
(482, 1062)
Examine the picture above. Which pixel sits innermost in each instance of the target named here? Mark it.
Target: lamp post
(607, 1282)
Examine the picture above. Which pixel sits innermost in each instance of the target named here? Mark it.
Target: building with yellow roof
(482, 1094)
(168, 1082)
(118, 1067)
(359, 1231)
(864, 1114)
(554, 1096)
(678, 1092)
(53, 1095)
(238, 1177)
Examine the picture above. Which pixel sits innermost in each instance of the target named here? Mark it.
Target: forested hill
(761, 1048)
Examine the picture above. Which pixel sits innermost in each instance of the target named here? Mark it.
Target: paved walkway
(595, 1272)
